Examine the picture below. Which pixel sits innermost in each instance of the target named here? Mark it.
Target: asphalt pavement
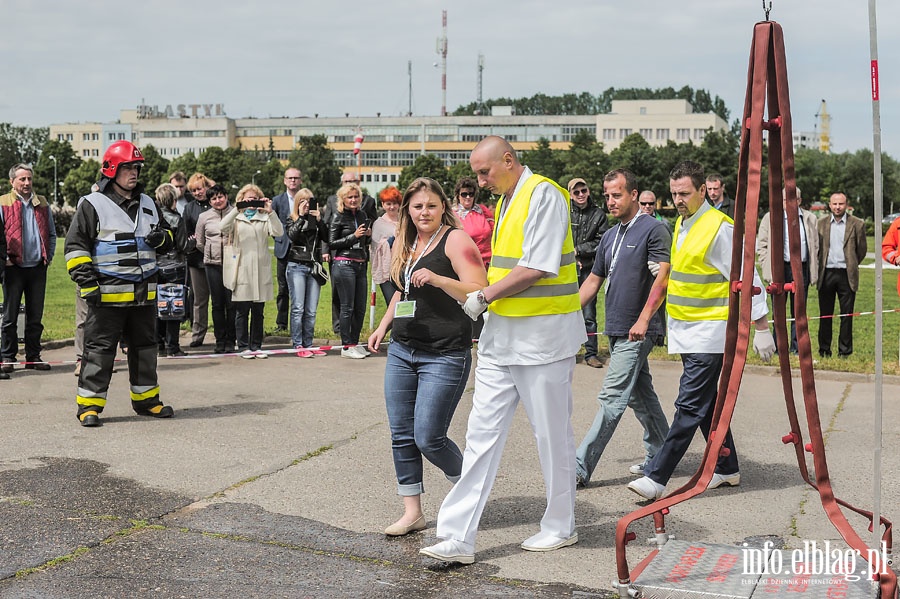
(274, 479)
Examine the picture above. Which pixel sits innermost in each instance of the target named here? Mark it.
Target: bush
(62, 218)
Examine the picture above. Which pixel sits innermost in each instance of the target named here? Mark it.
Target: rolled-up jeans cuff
(410, 490)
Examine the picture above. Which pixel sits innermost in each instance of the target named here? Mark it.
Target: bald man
(526, 353)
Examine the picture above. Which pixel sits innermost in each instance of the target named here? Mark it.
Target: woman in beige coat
(247, 265)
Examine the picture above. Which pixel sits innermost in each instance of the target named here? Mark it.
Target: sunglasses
(648, 203)
(579, 192)
(467, 194)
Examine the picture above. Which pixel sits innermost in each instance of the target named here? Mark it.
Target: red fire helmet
(120, 152)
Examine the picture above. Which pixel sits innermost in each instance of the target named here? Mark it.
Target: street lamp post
(253, 178)
(55, 184)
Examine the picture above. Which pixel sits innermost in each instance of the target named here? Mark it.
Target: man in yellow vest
(697, 305)
(526, 353)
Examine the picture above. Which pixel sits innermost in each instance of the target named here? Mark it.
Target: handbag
(319, 273)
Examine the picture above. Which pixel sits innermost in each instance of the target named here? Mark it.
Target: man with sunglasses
(111, 250)
(647, 203)
(589, 223)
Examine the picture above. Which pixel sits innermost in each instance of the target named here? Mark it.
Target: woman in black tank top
(434, 265)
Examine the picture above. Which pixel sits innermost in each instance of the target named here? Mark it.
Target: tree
(214, 164)
(78, 181)
(66, 160)
(186, 163)
(155, 171)
(19, 144)
(544, 161)
(635, 154)
(427, 165)
(321, 173)
(587, 159)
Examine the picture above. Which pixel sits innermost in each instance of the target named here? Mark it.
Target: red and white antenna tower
(442, 50)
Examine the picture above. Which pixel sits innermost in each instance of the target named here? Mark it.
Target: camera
(244, 204)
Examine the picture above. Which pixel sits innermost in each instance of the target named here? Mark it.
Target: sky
(85, 61)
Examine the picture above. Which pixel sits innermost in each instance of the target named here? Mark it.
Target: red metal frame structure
(767, 90)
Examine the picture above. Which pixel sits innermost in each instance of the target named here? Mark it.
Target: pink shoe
(318, 352)
(304, 353)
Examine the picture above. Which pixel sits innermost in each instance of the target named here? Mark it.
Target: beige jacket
(247, 263)
(766, 252)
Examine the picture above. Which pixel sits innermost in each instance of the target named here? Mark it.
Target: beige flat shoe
(399, 530)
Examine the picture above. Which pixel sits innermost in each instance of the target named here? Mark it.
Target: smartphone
(313, 204)
(251, 204)
(368, 223)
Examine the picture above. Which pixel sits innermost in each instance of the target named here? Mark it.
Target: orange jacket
(890, 247)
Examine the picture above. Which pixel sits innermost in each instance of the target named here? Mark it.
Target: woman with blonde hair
(247, 265)
(349, 233)
(434, 265)
(308, 238)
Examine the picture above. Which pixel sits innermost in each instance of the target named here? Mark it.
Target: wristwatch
(480, 297)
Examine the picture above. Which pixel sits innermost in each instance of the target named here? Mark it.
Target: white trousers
(546, 392)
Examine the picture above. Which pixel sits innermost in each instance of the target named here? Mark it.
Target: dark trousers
(697, 392)
(590, 318)
(31, 283)
(222, 308)
(283, 297)
(349, 280)
(788, 278)
(103, 328)
(835, 282)
(248, 316)
(167, 332)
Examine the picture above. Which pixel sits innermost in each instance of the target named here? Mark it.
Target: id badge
(405, 309)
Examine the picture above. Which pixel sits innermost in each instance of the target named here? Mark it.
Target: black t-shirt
(439, 324)
(622, 259)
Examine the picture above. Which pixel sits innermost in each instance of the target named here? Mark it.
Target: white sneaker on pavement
(451, 551)
(732, 480)
(647, 488)
(350, 352)
(247, 354)
(542, 542)
(637, 469)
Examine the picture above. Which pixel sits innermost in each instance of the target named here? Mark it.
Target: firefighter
(111, 250)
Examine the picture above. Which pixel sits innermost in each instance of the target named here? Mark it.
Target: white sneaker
(637, 469)
(350, 352)
(732, 480)
(542, 542)
(247, 354)
(362, 349)
(647, 488)
(260, 355)
(451, 551)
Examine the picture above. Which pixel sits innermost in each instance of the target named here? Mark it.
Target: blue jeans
(589, 312)
(349, 280)
(421, 392)
(304, 292)
(627, 384)
(697, 392)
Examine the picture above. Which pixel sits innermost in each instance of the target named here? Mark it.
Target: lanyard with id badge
(617, 245)
(406, 308)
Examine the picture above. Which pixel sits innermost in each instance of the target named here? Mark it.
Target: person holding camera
(349, 233)
(212, 245)
(111, 252)
(307, 235)
(247, 265)
(172, 269)
(435, 265)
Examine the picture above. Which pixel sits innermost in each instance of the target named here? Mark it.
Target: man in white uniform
(526, 352)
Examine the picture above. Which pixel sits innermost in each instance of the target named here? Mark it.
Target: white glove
(473, 306)
(653, 267)
(764, 344)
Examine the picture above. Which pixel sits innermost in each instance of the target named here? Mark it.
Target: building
(390, 143)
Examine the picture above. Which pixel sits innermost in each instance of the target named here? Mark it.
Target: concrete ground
(275, 480)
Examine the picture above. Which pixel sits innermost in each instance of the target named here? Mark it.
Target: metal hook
(767, 10)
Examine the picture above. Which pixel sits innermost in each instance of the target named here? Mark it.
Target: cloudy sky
(84, 61)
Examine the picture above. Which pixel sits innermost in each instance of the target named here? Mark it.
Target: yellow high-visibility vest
(554, 295)
(697, 291)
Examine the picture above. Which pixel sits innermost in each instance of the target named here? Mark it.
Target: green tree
(155, 171)
(19, 144)
(321, 173)
(186, 163)
(66, 160)
(635, 154)
(587, 159)
(214, 164)
(78, 181)
(719, 153)
(544, 161)
(427, 165)
(667, 157)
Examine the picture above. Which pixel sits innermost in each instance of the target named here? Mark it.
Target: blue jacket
(282, 205)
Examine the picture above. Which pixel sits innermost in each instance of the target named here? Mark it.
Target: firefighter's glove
(91, 295)
(764, 343)
(653, 267)
(156, 237)
(474, 305)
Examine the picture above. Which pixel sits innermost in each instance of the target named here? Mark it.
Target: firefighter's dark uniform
(108, 256)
